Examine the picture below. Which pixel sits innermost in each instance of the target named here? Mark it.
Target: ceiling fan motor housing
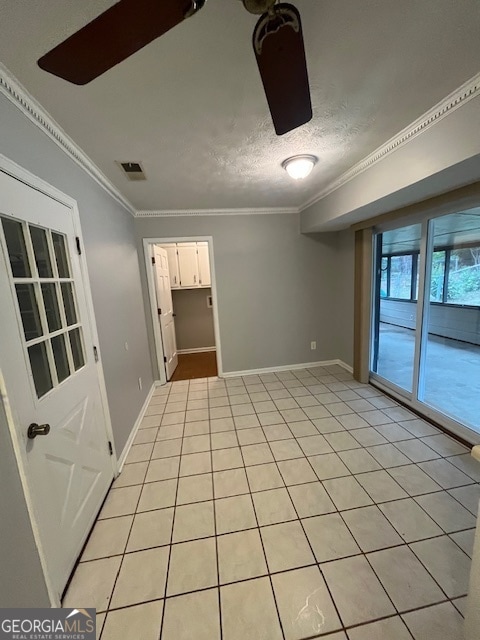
(258, 6)
(195, 6)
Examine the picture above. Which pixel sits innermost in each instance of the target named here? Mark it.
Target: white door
(203, 264)
(187, 264)
(47, 360)
(165, 310)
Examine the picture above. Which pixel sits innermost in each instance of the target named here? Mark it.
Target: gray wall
(344, 296)
(22, 583)
(194, 320)
(108, 233)
(276, 288)
(449, 322)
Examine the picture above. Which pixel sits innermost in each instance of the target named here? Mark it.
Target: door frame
(17, 172)
(147, 242)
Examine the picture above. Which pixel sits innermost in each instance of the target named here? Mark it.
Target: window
(399, 277)
(455, 276)
(45, 291)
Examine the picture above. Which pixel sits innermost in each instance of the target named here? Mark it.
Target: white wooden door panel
(165, 310)
(188, 264)
(50, 372)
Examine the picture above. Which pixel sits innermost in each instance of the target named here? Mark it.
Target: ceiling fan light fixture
(299, 167)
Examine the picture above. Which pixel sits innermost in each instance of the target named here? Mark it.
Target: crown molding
(174, 213)
(28, 105)
(456, 99)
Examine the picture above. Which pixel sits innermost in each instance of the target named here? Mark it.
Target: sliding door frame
(411, 398)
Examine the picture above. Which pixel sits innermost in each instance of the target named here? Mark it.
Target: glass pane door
(395, 304)
(426, 317)
(450, 372)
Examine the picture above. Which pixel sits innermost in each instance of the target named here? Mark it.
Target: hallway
(195, 365)
(289, 506)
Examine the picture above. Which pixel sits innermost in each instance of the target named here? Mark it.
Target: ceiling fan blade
(280, 53)
(113, 36)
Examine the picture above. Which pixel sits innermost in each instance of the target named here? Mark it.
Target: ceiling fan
(129, 25)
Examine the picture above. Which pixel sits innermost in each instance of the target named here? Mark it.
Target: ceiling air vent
(133, 170)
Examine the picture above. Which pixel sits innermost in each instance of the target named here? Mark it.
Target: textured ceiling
(191, 106)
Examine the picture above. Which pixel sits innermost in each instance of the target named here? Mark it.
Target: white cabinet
(171, 250)
(205, 278)
(188, 264)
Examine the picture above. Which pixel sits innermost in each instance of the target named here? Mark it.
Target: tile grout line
(305, 533)
(351, 555)
(296, 440)
(167, 573)
(266, 575)
(353, 537)
(364, 553)
(263, 547)
(217, 559)
(107, 611)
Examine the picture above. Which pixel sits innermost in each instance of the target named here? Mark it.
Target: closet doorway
(182, 291)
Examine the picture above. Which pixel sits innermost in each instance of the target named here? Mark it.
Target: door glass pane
(42, 254)
(394, 309)
(384, 278)
(69, 303)
(61, 255)
(450, 376)
(438, 276)
(27, 302)
(17, 251)
(40, 368)
(52, 310)
(77, 349)
(60, 355)
(416, 262)
(464, 276)
(401, 277)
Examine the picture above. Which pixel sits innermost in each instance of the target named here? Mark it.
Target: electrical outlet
(313, 345)
(140, 384)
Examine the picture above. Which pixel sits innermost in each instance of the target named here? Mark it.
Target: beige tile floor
(286, 506)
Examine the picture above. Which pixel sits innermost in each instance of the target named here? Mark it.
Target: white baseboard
(131, 437)
(197, 350)
(345, 366)
(288, 367)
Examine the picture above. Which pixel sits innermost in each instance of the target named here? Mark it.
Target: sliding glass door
(397, 260)
(426, 317)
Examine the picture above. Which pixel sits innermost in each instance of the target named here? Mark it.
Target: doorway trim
(17, 172)
(147, 242)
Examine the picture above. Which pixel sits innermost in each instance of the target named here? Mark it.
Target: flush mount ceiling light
(299, 167)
